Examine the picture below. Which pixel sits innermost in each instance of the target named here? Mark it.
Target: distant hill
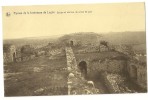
(35, 41)
(114, 38)
(81, 37)
(126, 37)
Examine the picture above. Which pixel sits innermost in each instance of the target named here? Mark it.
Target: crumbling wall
(112, 66)
(115, 83)
(9, 54)
(125, 49)
(6, 58)
(103, 48)
(109, 65)
(88, 50)
(40, 53)
(55, 51)
(76, 83)
(136, 66)
(140, 76)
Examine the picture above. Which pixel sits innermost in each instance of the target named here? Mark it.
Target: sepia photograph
(74, 49)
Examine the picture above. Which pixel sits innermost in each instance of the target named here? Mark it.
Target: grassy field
(40, 76)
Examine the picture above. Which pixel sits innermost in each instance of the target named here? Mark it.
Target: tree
(104, 43)
(27, 49)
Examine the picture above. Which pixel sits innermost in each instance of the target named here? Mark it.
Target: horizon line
(55, 36)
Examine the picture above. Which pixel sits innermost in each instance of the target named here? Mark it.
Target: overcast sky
(102, 18)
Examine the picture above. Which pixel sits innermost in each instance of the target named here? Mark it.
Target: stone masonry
(76, 83)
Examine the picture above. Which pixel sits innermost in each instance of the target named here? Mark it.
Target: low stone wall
(55, 52)
(122, 48)
(25, 58)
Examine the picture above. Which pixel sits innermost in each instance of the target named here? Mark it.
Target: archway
(71, 43)
(14, 57)
(83, 69)
(133, 72)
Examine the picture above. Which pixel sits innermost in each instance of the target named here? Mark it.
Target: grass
(25, 81)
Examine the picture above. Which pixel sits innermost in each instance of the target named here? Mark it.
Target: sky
(102, 18)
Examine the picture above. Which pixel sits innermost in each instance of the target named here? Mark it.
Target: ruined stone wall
(138, 74)
(25, 58)
(103, 48)
(88, 50)
(55, 51)
(142, 77)
(76, 83)
(40, 53)
(125, 49)
(114, 66)
(10, 54)
(93, 48)
(6, 57)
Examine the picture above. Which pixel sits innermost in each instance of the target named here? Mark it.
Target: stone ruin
(76, 82)
(13, 54)
(137, 73)
(9, 53)
(136, 66)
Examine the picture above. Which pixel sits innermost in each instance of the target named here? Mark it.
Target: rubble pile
(117, 84)
(37, 69)
(56, 90)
